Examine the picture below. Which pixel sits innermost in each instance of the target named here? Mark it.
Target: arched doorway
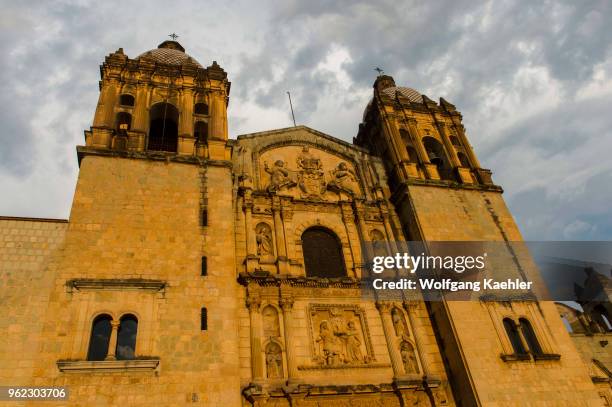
(163, 127)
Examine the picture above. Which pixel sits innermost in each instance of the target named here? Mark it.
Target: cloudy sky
(532, 79)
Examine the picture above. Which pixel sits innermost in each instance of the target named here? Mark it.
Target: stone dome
(170, 53)
(408, 93)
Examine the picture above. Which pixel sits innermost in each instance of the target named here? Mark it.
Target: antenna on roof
(291, 105)
(173, 36)
(379, 70)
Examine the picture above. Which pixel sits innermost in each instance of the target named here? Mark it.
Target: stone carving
(263, 236)
(310, 178)
(408, 357)
(342, 178)
(279, 176)
(274, 360)
(270, 322)
(399, 324)
(353, 343)
(379, 247)
(339, 336)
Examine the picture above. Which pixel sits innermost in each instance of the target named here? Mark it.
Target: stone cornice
(83, 151)
(106, 366)
(264, 278)
(115, 284)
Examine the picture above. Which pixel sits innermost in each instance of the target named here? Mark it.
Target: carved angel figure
(343, 176)
(279, 176)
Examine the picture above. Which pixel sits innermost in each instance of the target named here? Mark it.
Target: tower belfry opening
(163, 128)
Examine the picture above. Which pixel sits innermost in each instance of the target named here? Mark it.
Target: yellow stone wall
(26, 247)
(469, 215)
(140, 219)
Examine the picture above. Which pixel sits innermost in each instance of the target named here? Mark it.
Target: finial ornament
(379, 70)
(173, 36)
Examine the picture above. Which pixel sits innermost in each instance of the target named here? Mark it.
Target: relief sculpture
(279, 176)
(339, 337)
(274, 360)
(311, 179)
(342, 179)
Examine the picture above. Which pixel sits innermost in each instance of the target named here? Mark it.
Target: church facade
(199, 269)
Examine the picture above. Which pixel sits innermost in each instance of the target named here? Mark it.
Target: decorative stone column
(140, 110)
(281, 248)
(253, 303)
(454, 159)
(396, 359)
(112, 343)
(416, 141)
(286, 304)
(410, 307)
(247, 206)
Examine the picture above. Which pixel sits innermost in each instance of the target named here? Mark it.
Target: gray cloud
(532, 79)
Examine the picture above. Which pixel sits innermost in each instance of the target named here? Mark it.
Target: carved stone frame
(350, 307)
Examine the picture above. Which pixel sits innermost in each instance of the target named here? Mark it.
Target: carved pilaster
(411, 307)
(396, 359)
(253, 303)
(286, 304)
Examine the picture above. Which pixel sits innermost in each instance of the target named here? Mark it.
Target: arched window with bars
(322, 253)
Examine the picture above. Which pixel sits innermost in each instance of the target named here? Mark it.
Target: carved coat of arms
(311, 179)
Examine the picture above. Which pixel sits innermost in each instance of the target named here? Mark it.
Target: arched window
(437, 156)
(514, 336)
(126, 337)
(163, 127)
(463, 160)
(601, 317)
(100, 337)
(126, 100)
(124, 122)
(200, 131)
(200, 108)
(455, 141)
(322, 253)
(530, 337)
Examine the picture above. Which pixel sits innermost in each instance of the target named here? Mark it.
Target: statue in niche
(270, 322)
(263, 236)
(378, 243)
(408, 358)
(353, 344)
(274, 360)
(330, 345)
(310, 179)
(401, 330)
(279, 176)
(343, 176)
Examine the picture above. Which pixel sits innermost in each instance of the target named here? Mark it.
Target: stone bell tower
(162, 100)
(495, 352)
(150, 244)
